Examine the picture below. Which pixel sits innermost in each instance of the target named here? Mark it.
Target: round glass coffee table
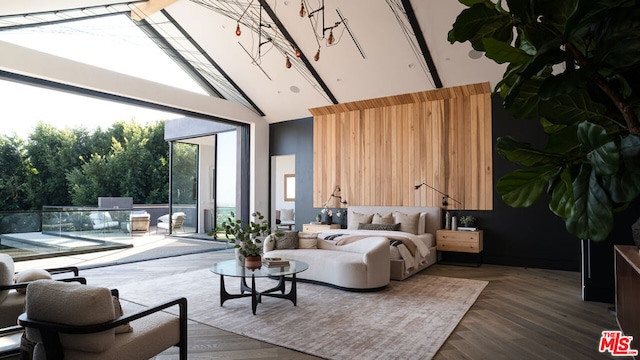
(232, 269)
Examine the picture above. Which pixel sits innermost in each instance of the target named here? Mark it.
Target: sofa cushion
(288, 240)
(307, 240)
(30, 275)
(6, 273)
(72, 304)
(356, 219)
(286, 215)
(387, 227)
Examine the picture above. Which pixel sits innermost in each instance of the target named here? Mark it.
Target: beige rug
(410, 319)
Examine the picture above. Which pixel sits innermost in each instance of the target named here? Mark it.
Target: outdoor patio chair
(71, 321)
(139, 221)
(102, 221)
(12, 293)
(178, 219)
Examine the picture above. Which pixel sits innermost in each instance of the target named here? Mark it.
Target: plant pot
(239, 257)
(253, 262)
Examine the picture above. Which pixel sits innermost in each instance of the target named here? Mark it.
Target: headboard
(434, 213)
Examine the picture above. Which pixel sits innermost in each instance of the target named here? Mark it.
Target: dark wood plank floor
(522, 313)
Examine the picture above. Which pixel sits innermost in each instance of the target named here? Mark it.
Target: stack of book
(467, 228)
(275, 262)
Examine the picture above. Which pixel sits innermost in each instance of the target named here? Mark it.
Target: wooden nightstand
(460, 241)
(314, 228)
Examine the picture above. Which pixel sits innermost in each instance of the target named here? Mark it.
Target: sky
(25, 105)
(101, 42)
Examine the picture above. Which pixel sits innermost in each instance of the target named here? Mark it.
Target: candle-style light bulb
(238, 32)
(331, 38)
(287, 64)
(298, 53)
(317, 57)
(303, 12)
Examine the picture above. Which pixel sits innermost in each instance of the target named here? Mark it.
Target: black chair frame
(53, 271)
(49, 331)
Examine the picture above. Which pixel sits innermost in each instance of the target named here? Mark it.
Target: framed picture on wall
(289, 187)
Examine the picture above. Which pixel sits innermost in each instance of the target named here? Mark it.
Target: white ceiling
(391, 67)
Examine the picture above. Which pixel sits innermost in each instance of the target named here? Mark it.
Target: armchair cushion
(287, 215)
(6, 274)
(30, 275)
(71, 304)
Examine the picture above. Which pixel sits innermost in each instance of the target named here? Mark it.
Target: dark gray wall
(530, 237)
(296, 137)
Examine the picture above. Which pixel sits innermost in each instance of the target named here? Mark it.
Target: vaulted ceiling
(381, 47)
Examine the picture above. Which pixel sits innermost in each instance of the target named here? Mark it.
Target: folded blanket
(412, 250)
(347, 239)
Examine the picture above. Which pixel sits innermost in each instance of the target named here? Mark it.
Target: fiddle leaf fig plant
(574, 66)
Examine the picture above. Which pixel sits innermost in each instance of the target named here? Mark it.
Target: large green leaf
(501, 52)
(630, 151)
(617, 48)
(572, 108)
(624, 185)
(556, 13)
(523, 153)
(522, 188)
(526, 103)
(478, 22)
(564, 141)
(563, 83)
(603, 154)
(593, 217)
(562, 202)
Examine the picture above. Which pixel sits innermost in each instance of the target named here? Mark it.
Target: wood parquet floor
(523, 313)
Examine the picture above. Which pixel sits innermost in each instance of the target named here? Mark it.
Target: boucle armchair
(12, 293)
(71, 321)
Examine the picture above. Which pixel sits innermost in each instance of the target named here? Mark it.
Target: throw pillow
(286, 215)
(6, 274)
(288, 240)
(379, 219)
(355, 219)
(307, 240)
(408, 223)
(387, 227)
(30, 275)
(117, 307)
(422, 223)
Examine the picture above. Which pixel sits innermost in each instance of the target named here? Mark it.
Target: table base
(256, 296)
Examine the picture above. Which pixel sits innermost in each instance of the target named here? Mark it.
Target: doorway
(283, 190)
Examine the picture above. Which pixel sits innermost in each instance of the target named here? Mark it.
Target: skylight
(111, 42)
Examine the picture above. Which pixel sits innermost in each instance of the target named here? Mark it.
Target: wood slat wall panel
(377, 150)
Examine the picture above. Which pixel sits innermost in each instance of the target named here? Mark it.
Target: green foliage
(246, 236)
(467, 220)
(15, 174)
(74, 167)
(574, 66)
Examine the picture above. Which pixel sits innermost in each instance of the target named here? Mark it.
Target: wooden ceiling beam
(141, 11)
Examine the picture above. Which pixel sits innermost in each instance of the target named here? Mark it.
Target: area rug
(410, 319)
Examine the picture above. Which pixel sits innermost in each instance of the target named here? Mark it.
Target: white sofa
(362, 265)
